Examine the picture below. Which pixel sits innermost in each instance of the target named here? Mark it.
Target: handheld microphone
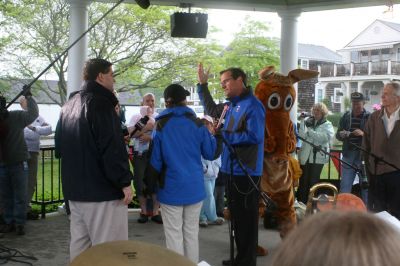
(140, 125)
(222, 117)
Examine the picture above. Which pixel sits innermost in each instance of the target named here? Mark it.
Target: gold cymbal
(128, 252)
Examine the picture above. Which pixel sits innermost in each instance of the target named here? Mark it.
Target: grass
(49, 187)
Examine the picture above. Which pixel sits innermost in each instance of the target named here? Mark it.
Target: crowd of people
(182, 165)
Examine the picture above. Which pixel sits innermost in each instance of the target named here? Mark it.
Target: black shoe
(32, 215)
(143, 219)
(20, 229)
(7, 228)
(157, 218)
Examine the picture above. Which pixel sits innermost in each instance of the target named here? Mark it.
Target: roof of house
(379, 34)
(395, 26)
(318, 53)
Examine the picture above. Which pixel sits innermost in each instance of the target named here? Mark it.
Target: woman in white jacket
(319, 131)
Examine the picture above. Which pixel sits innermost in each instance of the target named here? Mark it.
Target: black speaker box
(189, 25)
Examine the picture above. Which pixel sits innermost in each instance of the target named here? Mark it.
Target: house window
(319, 93)
(304, 63)
(385, 54)
(375, 55)
(355, 57)
(398, 54)
(337, 95)
(364, 56)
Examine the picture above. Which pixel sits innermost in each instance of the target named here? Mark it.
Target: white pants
(181, 227)
(93, 223)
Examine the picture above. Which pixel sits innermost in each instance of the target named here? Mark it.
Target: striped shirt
(355, 124)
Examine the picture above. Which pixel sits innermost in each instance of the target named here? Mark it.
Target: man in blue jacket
(244, 130)
(179, 142)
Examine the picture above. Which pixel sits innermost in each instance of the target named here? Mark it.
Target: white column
(289, 47)
(77, 55)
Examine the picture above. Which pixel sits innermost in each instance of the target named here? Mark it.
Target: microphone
(140, 125)
(222, 117)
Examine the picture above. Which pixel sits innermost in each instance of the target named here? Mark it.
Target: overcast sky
(333, 29)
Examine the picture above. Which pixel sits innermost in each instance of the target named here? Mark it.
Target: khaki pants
(93, 223)
(181, 227)
(32, 177)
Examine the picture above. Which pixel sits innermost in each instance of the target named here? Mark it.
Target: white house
(369, 61)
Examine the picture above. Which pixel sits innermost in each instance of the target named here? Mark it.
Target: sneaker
(7, 228)
(218, 221)
(32, 215)
(203, 223)
(20, 229)
(157, 219)
(143, 219)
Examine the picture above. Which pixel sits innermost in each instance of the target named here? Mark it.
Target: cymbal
(128, 252)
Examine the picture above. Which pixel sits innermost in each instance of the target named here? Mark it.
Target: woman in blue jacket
(179, 143)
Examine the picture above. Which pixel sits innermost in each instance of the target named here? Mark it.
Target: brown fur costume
(277, 94)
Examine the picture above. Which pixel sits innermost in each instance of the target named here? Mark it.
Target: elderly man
(95, 170)
(382, 139)
(351, 131)
(32, 134)
(141, 144)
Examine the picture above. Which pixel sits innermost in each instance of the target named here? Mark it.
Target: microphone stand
(377, 158)
(320, 149)
(267, 200)
(27, 87)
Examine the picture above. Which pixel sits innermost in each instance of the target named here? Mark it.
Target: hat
(208, 118)
(357, 96)
(176, 93)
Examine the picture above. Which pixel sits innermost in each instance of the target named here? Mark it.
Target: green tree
(252, 49)
(136, 41)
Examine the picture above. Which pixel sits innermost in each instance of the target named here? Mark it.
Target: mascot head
(278, 95)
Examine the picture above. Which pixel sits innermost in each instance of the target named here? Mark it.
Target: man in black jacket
(351, 131)
(95, 168)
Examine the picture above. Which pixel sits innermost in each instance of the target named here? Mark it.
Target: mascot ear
(301, 74)
(266, 72)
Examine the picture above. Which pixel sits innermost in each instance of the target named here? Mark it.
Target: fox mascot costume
(278, 95)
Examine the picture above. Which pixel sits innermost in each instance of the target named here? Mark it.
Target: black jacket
(345, 124)
(95, 163)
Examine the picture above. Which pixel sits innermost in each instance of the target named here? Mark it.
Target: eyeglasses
(223, 83)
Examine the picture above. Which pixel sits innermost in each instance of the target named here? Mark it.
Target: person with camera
(14, 166)
(318, 130)
(96, 177)
(141, 127)
(179, 142)
(351, 131)
(382, 141)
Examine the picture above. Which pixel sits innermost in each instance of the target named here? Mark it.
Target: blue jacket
(243, 129)
(179, 143)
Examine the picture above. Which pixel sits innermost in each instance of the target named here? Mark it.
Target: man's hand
(358, 133)
(201, 75)
(144, 138)
(344, 134)
(128, 192)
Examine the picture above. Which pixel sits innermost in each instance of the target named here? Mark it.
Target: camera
(304, 114)
(140, 124)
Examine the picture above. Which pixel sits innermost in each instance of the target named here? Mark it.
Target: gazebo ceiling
(271, 5)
